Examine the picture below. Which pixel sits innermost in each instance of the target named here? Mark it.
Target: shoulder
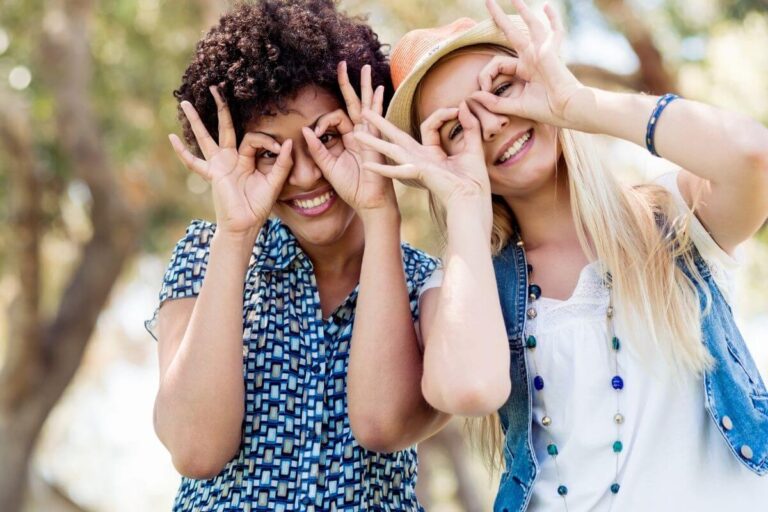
(198, 233)
(722, 264)
(194, 245)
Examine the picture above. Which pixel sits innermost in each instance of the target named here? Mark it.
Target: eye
(502, 88)
(327, 137)
(456, 130)
(268, 154)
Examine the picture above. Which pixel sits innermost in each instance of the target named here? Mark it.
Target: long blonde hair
(652, 295)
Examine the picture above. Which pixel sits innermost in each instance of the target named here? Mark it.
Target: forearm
(200, 403)
(717, 145)
(466, 360)
(386, 408)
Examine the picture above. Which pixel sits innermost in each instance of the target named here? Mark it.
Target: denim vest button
(746, 451)
(727, 423)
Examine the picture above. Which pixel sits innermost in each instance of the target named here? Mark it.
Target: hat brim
(485, 32)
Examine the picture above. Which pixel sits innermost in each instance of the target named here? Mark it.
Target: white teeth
(314, 202)
(514, 148)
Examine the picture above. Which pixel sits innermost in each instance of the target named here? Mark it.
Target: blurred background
(92, 199)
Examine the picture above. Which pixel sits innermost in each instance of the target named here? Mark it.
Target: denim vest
(733, 393)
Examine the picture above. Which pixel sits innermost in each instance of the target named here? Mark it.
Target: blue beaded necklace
(617, 383)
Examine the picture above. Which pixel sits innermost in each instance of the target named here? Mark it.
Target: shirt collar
(275, 248)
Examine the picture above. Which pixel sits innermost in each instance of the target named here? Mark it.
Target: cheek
(337, 148)
(548, 135)
(264, 166)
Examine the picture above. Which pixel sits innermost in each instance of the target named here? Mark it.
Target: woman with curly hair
(256, 310)
(588, 321)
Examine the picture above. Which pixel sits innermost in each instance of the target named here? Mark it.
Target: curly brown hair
(262, 53)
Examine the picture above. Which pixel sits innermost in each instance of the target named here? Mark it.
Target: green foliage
(139, 50)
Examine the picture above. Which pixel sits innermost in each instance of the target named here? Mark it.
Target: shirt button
(746, 451)
(727, 423)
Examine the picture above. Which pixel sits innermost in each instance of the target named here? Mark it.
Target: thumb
(473, 138)
(320, 154)
(283, 164)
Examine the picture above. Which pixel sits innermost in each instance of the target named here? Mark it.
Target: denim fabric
(734, 394)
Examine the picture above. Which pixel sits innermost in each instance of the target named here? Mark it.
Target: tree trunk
(44, 354)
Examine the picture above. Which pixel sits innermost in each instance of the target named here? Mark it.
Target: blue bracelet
(650, 131)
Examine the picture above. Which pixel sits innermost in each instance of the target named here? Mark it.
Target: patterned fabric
(297, 451)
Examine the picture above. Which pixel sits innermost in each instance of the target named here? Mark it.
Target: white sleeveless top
(673, 456)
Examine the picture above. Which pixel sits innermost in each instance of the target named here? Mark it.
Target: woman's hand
(242, 195)
(361, 189)
(451, 178)
(543, 85)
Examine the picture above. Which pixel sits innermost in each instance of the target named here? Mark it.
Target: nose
(305, 173)
(491, 123)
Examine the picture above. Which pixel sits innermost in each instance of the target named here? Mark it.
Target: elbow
(467, 396)
(757, 152)
(759, 159)
(199, 465)
(199, 455)
(376, 433)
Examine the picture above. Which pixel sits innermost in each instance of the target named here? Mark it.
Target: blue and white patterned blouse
(297, 451)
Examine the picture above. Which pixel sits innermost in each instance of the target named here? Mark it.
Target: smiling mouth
(516, 148)
(313, 206)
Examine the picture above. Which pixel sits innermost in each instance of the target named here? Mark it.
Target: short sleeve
(722, 264)
(434, 281)
(186, 268)
(418, 267)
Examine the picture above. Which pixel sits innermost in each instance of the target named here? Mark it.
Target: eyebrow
(311, 126)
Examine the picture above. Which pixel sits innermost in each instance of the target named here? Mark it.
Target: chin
(326, 229)
(528, 177)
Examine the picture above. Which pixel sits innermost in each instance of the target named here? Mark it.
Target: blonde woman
(609, 354)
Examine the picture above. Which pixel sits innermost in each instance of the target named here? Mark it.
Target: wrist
(236, 242)
(579, 111)
(471, 215)
(383, 216)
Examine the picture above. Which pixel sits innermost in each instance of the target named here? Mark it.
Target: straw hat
(420, 49)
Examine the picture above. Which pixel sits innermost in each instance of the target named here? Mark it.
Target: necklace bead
(617, 383)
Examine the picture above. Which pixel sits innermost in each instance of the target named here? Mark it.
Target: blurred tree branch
(655, 78)
(44, 354)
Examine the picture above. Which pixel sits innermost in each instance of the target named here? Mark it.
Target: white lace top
(673, 456)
